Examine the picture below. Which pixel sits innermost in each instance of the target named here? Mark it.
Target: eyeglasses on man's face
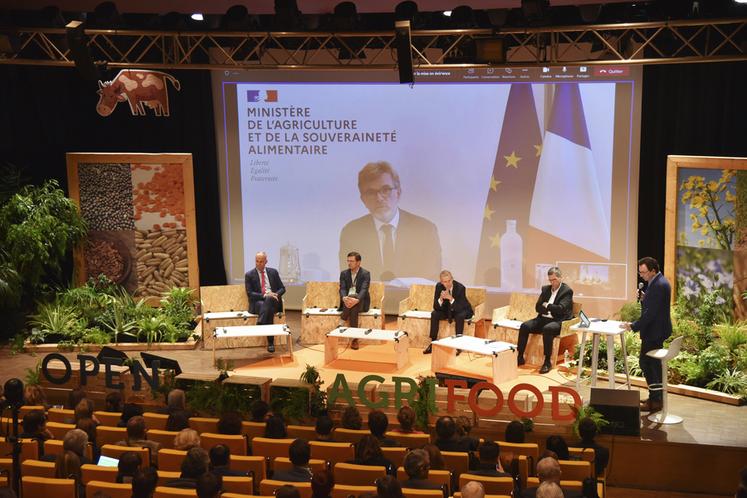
(384, 191)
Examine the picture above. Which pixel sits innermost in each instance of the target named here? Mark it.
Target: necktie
(388, 249)
(263, 281)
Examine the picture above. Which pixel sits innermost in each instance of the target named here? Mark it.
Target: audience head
(445, 427)
(129, 463)
(74, 397)
(88, 426)
(136, 428)
(489, 452)
(548, 454)
(351, 418)
(75, 440)
(417, 464)
(84, 409)
(259, 409)
(559, 446)
(377, 423)
(195, 463)
(323, 426)
(176, 400)
(34, 422)
(322, 484)
(388, 487)
(548, 469)
(515, 432)
(435, 457)
(275, 427)
(113, 402)
(67, 466)
(299, 452)
(130, 410)
(473, 489)
(287, 491)
(463, 425)
(230, 424)
(144, 483)
(178, 420)
(220, 456)
(549, 490)
(587, 429)
(34, 396)
(209, 485)
(406, 419)
(186, 440)
(368, 448)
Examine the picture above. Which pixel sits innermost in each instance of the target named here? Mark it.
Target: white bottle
(512, 253)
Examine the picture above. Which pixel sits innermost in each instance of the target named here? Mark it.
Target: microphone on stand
(640, 288)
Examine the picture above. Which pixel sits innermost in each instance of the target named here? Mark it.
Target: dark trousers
(651, 368)
(548, 327)
(266, 309)
(351, 314)
(438, 315)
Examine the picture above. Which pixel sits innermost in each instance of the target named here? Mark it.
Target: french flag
(567, 179)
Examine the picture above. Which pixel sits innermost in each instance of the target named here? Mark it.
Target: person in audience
(287, 491)
(209, 485)
(7, 492)
(446, 437)
(76, 440)
(33, 395)
(435, 457)
(176, 401)
(548, 470)
(388, 487)
(85, 409)
(417, 466)
(220, 460)
(74, 397)
(323, 428)
(299, 454)
(144, 483)
(515, 432)
(88, 426)
(587, 429)
(368, 452)
(473, 489)
(558, 445)
(259, 410)
(186, 440)
(136, 438)
(406, 417)
(275, 427)
(489, 465)
(177, 421)
(113, 402)
(351, 419)
(549, 490)
(742, 488)
(322, 484)
(34, 426)
(378, 424)
(129, 463)
(193, 466)
(548, 454)
(129, 410)
(230, 424)
(463, 429)
(67, 466)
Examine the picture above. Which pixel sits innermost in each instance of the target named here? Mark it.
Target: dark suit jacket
(459, 292)
(294, 474)
(489, 470)
(417, 248)
(562, 308)
(362, 282)
(419, 484)
(227, 472)
(455, 444)
(655, 323)
(253, 284)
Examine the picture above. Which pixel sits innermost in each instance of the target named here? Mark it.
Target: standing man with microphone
(655, 326)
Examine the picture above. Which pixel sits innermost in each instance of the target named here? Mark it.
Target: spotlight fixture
(197, 17)
(447, 13)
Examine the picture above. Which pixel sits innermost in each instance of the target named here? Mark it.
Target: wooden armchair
(415, 315)
(319, 312)
(507, 319)
(374, 317)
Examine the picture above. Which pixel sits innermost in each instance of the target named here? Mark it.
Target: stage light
(197, 17)
(447, 13)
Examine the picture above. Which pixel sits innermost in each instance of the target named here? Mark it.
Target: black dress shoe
(271, 348)
(545, 368)
(459, 351)
(428, 349)
(520, 360)
(652, 406)
(354, 344)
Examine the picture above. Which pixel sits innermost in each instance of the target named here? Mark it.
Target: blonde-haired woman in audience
(186, 440)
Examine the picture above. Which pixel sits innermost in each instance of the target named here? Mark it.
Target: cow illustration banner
(140, 88)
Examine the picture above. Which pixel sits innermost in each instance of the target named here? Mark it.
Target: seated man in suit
(449, 303)
(548, 470)
(488, 452)
(220, 460)
(354, 297)
(299, 454)
(554, 305)
(417, 464)
(265, 291)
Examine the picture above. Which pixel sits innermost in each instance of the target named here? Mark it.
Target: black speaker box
(443, 377)
(621, 408)
(403, 41)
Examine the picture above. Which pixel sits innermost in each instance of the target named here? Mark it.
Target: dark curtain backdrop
(692, 109)
(47, 112)
(688, 109)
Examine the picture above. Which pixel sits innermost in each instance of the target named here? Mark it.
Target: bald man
(265, 292)
(473, 489)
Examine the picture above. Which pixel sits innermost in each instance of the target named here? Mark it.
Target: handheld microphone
(640, 288)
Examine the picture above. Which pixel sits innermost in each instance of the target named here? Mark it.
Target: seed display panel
(141, 219)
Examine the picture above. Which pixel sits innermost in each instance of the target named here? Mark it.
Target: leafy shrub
(731, 381)
(731, 335)
(630, 312)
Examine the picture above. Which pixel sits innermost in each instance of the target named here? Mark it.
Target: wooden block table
(399, 339)
(503, 355)
(232, 333)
